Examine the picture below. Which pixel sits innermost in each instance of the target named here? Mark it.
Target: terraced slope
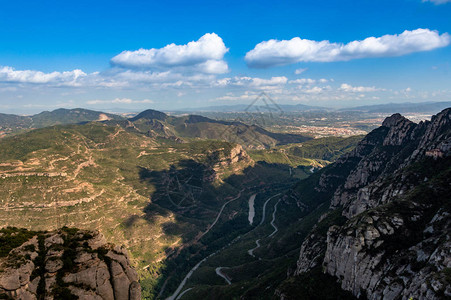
(171, 201)
(99, 177)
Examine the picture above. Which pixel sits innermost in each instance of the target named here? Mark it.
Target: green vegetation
(13, 124)
(447, 273)
(69, 116)
(328, 148)
(157, 186)
(11, 237)
(314, 285)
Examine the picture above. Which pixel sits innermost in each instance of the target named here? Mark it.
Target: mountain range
(258, 215)
(405, 107)
(156, 124)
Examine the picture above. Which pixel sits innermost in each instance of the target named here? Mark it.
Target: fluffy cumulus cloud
(274, 52)
(204, 55)
(68, 78)
(112, 78)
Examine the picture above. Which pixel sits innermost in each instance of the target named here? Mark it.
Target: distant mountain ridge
(405, 107)
(155, 123)
(247, 107)
(184, 128)
(14, 123)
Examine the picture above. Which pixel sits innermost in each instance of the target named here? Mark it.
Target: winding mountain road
(219, 273)
(219, 214)
(182, 284)
(257, 242)
(264, 208)
(184, 292)
(251, 251)
(274, 220)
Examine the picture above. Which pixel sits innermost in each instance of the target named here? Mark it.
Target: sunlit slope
(315, 153)
(93, 176)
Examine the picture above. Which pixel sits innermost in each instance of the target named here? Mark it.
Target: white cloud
(437, 2)
(119, 101)
(314, 90)
(68, 78)
(252, 82)
(246, 96)
(357, 89)
(300, 71)
(204, 55)
(303, 81)
(258, 82)
(274, 52)
(112, 78)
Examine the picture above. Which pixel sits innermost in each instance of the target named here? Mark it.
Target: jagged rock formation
(66, 264)
(236, 158)
(389, 222)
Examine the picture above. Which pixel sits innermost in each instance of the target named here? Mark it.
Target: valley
(201, 215)
(165, 200)
(225, 150)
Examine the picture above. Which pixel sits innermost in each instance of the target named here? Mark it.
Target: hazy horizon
(212, 108)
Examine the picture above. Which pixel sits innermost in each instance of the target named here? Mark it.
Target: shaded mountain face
(64, 264)
(387, 232)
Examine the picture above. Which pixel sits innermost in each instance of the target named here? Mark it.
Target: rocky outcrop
(384, 257)
(68, 264)
(235, 159)
(395, 197)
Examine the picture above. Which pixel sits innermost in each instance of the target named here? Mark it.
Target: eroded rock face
(399, 143)
(237, 159)
(68, 262)
(380, 256)
(396, 242)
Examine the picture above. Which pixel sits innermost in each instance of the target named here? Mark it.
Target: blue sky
(346, 53)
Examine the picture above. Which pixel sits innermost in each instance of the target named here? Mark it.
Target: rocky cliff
(387, 233)
(64, 264)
